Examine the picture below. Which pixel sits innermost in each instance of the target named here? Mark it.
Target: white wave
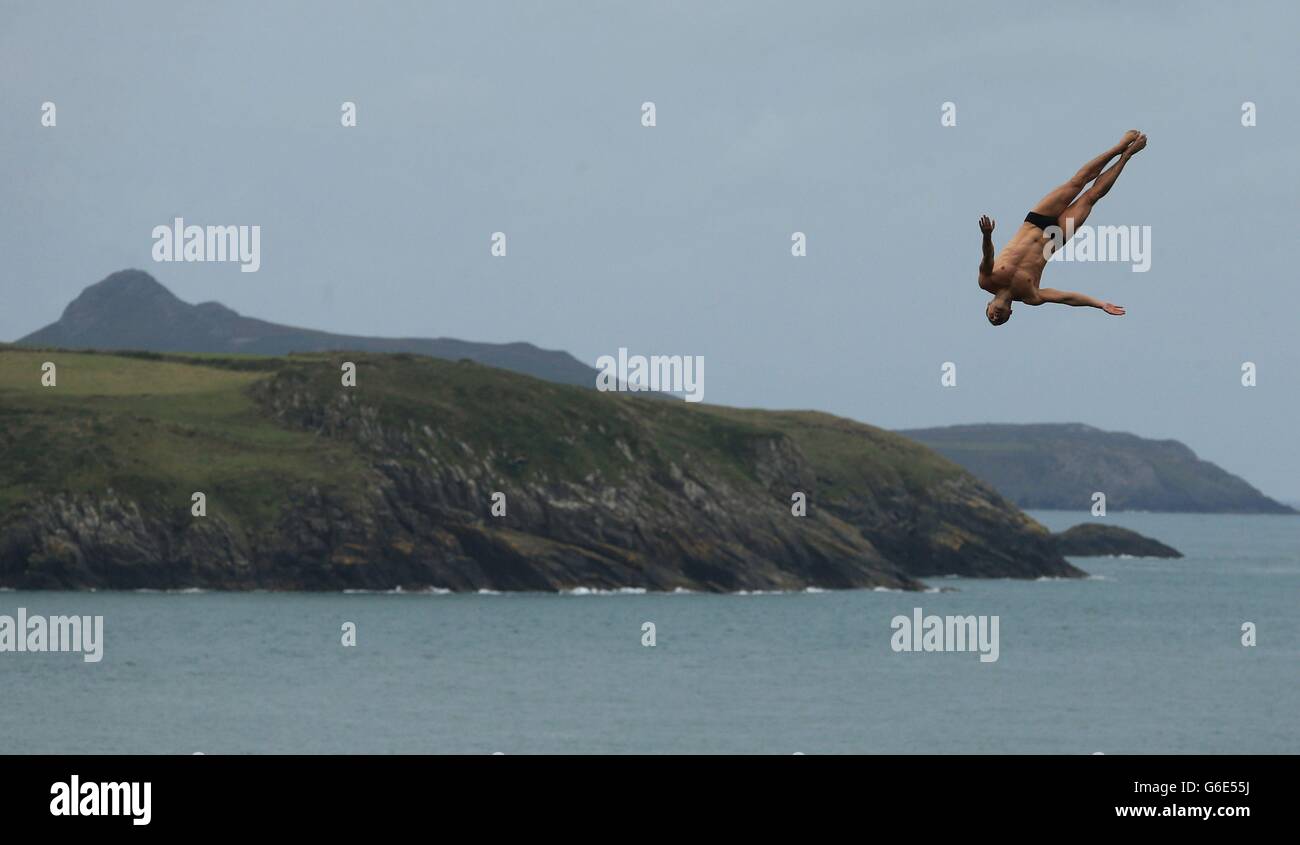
(398, 591)
(796, 592)
(178, 591)
(598, 591)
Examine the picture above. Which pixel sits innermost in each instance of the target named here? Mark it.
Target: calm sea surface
(1143, 657)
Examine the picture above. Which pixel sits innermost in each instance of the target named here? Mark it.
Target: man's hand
(1069, 297)
(986, 263)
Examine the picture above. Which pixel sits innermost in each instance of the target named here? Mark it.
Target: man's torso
(1019, 266)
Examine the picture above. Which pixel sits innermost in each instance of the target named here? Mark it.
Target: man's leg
(1073, 216)
(1060, 198)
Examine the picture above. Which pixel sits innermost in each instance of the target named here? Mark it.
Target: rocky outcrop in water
(1092, 540)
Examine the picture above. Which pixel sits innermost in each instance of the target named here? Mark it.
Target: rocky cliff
(312, 485)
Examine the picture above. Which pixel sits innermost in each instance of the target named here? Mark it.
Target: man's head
(998, 311)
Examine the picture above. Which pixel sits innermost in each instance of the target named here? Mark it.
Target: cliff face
(311, 485)
(1059, 467)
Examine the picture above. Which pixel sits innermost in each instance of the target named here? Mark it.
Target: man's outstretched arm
(986, 227)
(1069, 297)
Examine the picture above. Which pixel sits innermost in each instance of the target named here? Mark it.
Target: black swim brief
(1042, 221)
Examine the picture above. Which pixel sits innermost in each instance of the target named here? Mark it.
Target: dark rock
(1092, 540)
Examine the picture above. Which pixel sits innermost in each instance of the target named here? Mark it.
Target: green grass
(853, 456)
(159, 427)
(97, 374)
(156, 430)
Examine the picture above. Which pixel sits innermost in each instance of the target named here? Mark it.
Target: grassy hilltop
(311, 485)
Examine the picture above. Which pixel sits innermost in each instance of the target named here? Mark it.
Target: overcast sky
(772, 118)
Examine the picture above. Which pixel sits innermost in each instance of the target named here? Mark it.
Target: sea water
(1145, 656)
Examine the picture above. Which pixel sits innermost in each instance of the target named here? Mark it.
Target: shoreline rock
(1089, 539)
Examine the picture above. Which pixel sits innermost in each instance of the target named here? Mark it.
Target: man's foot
(1136, 145)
